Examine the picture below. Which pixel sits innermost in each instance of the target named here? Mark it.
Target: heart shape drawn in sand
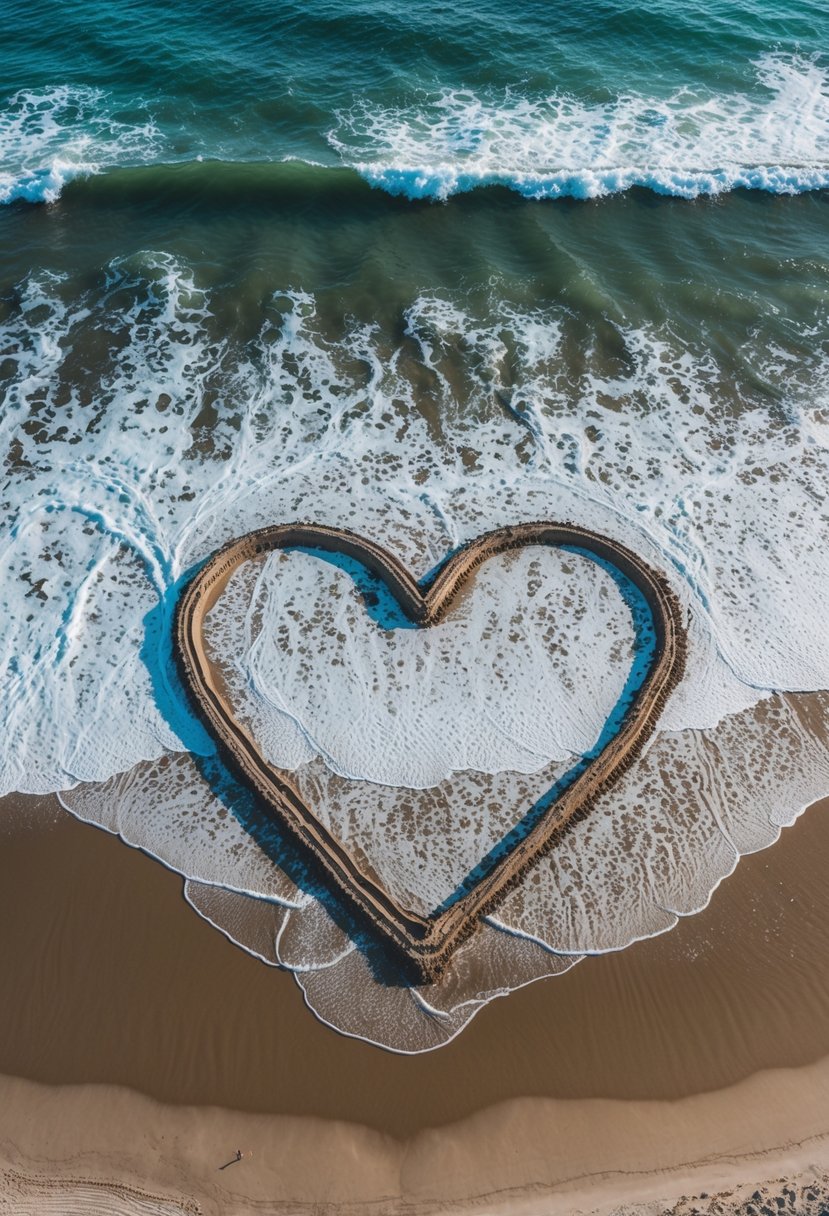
(426, 943)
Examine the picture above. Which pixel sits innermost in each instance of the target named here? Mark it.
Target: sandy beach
(141, 1049)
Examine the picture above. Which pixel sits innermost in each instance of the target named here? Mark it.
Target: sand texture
(526, 1156)
(142, 1049)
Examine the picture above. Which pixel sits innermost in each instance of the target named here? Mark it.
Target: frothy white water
(184, 435)
(523, 670)
(117, 491)
(50, 136)
(774, 137)
(771, 136)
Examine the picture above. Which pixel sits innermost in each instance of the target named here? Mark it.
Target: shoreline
(710, 1152)
(140, 1046)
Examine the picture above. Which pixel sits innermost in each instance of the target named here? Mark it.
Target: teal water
(419, 270)
(423, 99)
(280, 136)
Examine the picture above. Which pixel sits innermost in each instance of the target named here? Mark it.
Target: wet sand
(616, 1080)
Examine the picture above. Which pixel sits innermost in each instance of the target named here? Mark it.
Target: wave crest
(773, 136)
(51, 136)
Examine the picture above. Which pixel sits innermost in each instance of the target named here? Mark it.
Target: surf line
(424, 944)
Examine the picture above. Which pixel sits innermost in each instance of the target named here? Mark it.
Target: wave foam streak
(121, 480)
(773, 136)
(50, 136)
(770, 134)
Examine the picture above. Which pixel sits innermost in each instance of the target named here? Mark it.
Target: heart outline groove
(425, 943)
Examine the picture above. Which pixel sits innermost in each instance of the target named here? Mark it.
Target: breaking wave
(50, 137)
(771, 137)
(774, 137)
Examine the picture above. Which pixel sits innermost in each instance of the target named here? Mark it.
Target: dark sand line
(109, 977)
(426, 943)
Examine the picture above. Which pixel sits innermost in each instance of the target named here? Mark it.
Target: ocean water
(420, 271)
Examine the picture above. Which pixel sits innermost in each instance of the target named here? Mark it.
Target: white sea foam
(120, 481)
(522, 672)
(50, 136)
(653, 850)
(773, 136)
(126, 483)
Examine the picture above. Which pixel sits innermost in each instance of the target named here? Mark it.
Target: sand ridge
(425, 943)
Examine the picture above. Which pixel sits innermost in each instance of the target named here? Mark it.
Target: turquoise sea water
(263, 123)
(424, 99)
(418, 269)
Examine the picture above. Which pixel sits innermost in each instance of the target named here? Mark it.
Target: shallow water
(228, 297)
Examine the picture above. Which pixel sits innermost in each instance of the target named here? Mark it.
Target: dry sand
(147, 1049)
